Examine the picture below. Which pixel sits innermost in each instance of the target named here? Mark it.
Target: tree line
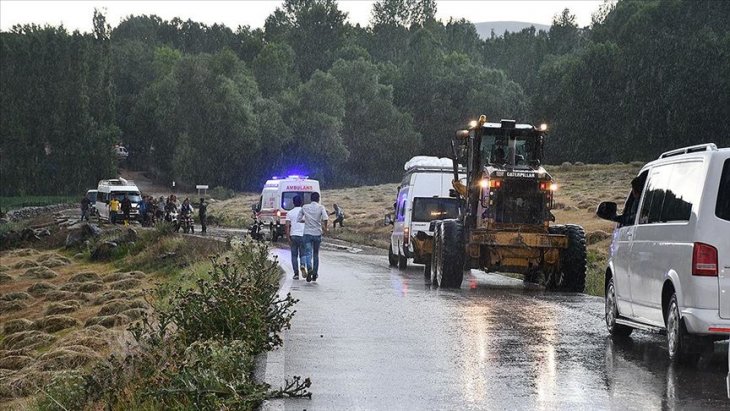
(311, 93)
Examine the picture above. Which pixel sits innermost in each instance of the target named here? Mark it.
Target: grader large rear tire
(572, 273)
(449, 254)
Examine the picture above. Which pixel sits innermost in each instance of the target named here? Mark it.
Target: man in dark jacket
(203, 214)
(126, 208)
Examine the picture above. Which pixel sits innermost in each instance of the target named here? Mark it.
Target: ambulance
(277, 198)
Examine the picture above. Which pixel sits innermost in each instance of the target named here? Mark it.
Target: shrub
(239, 301)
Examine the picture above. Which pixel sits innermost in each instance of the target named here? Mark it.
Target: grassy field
(581, 189)
(13, 203)
(61, 311)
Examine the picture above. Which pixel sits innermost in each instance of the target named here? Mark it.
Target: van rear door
(722, 212)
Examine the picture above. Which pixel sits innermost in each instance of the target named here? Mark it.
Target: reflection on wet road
(374, 337)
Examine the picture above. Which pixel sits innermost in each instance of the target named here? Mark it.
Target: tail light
(406, 235)
(495, 183)
(704, 260)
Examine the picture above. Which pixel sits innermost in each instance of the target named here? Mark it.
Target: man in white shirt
(314, 217)
(295, 232)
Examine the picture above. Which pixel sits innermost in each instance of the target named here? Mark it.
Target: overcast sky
(77, 14)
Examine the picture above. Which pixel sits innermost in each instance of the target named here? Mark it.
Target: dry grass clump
(30, 339)
(597, 236)
(108, 321)
(4, 268)
(112, 277)
(93, 341)
(5, 278)
(118, 306)
(65, 307)
(15, 362)
(67, 358)
(135, 314)
(25, 264)
(41, 288)
(54, 262)
(59, 295)
(125, 284)
(24, 384)
(137, 274)
(110, 295)
(23, 252)
(16, 295)
(85, 276)
(52, 256)
(17, 325)
(12, 306)
(39, 273)
(55, 323)
(83, 287)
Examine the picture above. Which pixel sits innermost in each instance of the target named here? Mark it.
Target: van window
(671, 191)
(287, 198)
(435, 208)
(100, 196)
(132, 195)
(722, 209)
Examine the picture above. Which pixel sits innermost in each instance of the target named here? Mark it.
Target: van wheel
(392, 258)
(449, 254)
(402, 262)
(679, 341)
(616, 330)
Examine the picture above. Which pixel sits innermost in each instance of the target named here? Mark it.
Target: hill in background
(485, 28)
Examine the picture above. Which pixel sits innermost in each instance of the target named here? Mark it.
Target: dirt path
(149, 187)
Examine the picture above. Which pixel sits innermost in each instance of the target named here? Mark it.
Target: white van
(117, 188)
(277, 198)
(669, 264)
(423, 196)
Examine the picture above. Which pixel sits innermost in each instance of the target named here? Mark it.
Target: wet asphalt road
(375, 338)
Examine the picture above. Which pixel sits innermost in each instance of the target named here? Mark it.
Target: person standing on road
(339, 214)
(295, 234)
(203, 215)
(85, 205)
(143, 211)
(126, 209)
(113, 209)
(314, 217)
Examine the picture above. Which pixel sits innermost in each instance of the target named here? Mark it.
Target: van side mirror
(607, 210)
(389, 220)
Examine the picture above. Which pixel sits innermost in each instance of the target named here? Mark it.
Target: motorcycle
(255, 230)
(172, 218)
(187, 223)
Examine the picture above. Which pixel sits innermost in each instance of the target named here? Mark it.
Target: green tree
(378, 136)
(274, 69)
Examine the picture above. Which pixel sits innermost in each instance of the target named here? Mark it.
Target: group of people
(151, 210)
(305, 225)
(117, 208)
